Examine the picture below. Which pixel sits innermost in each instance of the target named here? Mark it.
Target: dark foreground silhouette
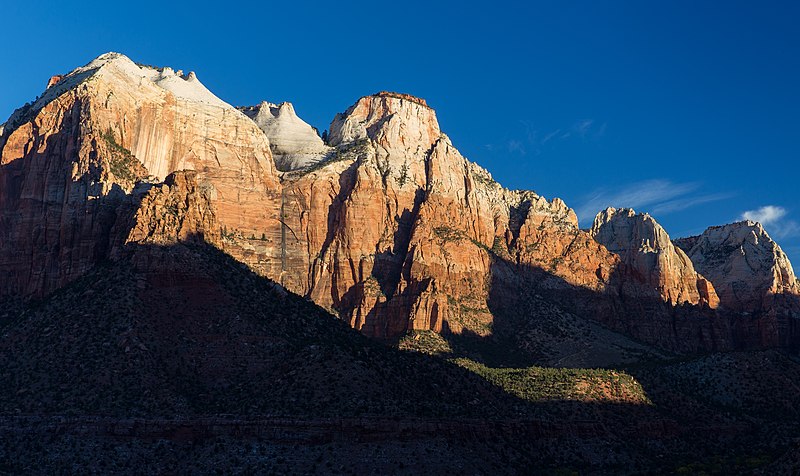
(180, 359)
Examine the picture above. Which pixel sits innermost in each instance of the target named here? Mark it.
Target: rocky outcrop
(54, 80)
(644, 246)
(178, 210)
(748, 269)
(68, 161)
(294, 143)
(399, 124)
(394, 230)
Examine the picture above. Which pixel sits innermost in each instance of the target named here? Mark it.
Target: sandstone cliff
(389, 227)
(648, 251)
(69, 159)
(748, 269)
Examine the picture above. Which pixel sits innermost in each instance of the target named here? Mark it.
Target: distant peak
(738, 225)
(280, 110)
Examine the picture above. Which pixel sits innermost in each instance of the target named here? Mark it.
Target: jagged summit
(116, 66)
(746, 266)
(630, 227)
(294, 143)
(646, 247)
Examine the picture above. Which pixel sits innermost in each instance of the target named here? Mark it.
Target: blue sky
(689, 111)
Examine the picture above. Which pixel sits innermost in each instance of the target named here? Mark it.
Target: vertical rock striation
(68, 161)
(644, 246)
(748, 269)
(388, 226)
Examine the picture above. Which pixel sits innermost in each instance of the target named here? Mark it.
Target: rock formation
(293, 142)
(748, 269)
(389, 227)
(648, 251)
(69, 159)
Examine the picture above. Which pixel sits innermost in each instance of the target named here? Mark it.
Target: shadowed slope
(187, 330)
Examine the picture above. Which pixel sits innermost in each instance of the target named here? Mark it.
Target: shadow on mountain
(170, 336)
(188, 330)
(184, 345)
(54, 227)
(199, 350)
(541, 319)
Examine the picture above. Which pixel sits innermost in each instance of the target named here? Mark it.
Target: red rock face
(69, 161)
(394, 231)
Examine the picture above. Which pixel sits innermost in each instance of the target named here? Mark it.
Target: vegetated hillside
(182, 357)
(186, 330)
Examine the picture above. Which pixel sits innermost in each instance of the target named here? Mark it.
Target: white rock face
(645, 246)
(402, 129)
(294, 143)
(113, 66)
(399, 123)
(745, 265)
(183, 86)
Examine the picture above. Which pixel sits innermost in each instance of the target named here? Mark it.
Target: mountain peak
(646, 247)
(613, 223)
(293, 142)
(745, 264)
(395, 121)
(118, 68)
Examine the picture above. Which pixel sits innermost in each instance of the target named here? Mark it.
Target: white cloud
(550, 136)
(654, 196)
(765, 215)
(774, 219)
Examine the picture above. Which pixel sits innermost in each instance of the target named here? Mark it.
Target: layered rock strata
(388, 226)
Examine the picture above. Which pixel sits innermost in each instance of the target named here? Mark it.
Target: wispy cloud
(532, 140)
(775, 219)
(583, 127)
(679, 204)
(515, 147)
(657, 196)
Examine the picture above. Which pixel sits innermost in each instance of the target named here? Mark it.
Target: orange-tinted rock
(648, 251)
(393, 231)
(69, 160)
(54, 80)
(180, 209)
